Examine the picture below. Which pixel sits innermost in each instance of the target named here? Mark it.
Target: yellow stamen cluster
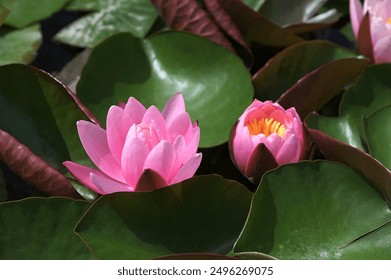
(266, 126)
(389, 21)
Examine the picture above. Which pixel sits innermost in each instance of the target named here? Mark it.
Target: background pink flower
(266, 123)
(375, 16)
(140, 150)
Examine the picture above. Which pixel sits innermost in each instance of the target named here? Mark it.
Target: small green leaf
(254, 4)
(204, 214)
(215, 83)
(286, 68)
(25, 12)
(378, 135)
(288, 12)
(111, 17)
(315, 210)
(41, 228)
(20, 46)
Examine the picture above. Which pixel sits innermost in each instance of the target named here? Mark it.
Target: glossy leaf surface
(286, 68)
(315, 210)
(25, 12)
(110, 17)
(370, 93)
(20, 46)
(41, 228)
(183, 218)
(215, 84)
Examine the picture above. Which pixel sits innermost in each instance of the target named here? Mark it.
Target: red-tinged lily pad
(370, 93)
(317, 210)
(182, 218)
(314, 90)
(255, 28)
(38, 121)
(42, 228)
(215, 83)
(285, 69)
(335, 150)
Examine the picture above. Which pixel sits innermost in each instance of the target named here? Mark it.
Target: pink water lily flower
(371, 26)
(266, 123)
(140, 150)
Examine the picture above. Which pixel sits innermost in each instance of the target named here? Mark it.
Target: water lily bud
(266, 123)
(140, 150)
(371, 26)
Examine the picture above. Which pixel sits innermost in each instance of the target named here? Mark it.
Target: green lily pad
(254, 4)
(110, 17)
(25, 12)
(316, 210)
(288, 12)
(204, 214)
(20, 46)
(4, 12)
(42, 228)
(286, 68)
(215, 83)
(378, 135)
(370, 93)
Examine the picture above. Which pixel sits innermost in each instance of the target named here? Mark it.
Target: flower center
(389, 21)
(266, 126)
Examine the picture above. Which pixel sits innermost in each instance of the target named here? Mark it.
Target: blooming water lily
(266, 123)
(371, 24)
(140, 150)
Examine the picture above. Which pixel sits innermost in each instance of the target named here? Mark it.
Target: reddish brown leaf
(32, 169)
(318, 87)
(336, 150)
(255, 28)
(364, 40)
(224, 21)
(149, 181)
(187, 15)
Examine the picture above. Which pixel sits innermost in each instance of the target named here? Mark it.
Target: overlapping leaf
(38, 122)
(215, 84)
(110, 17)
(41, 228)
(286, 68)
(204, 214)
(316, 210)
(20, 46)
(25, 12)
(371, 92)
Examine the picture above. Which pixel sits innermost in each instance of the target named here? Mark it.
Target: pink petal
(188, 169)
(135, 109)
(133, 157)
(382, 50)
(242, 147)
(174, 107)
(181, 125)
(154, 119)
(378, 29)
(94, 141)
(108, 186)
(115, 133)
(290, 151)
(161, 159)
(273, 143)
(180, 152)
(356, 14)
(82, 174)
(192, 142)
